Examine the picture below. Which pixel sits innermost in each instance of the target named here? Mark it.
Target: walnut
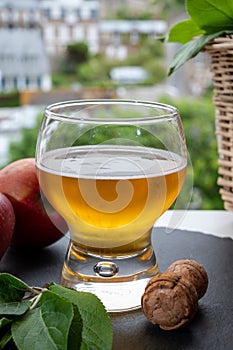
(194, 272)
(171, 298)
(169, 301)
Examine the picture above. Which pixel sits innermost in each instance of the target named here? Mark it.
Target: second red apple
(7, 223)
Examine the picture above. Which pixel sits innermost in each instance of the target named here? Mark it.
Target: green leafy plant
(51, 318)
(198, 118)
(207, 20)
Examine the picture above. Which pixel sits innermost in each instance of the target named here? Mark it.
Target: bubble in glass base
(118, 282)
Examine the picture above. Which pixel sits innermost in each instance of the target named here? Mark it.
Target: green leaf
(184, 31)
(5, 331)
(46, 327)
(14, 308)
(5, 339)
(97, 328)
(189, 50)
(4, 322)
(12, 288)
(75, 334)
(211, 15)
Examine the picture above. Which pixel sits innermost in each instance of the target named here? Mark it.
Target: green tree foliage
(166, 7)
(25, 148)
(126, 14)
(78, 52)
(199, 126)
(95, 71)
(150, 56)
(92, 70)
(9, 99)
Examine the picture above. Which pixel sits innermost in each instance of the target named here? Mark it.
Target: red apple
(7, 223)
(33, 226)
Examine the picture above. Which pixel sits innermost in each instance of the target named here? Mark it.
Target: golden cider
(111, 196)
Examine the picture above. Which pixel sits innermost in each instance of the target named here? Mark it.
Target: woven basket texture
(221, 66)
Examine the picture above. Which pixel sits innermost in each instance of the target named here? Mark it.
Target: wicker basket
(221, 66)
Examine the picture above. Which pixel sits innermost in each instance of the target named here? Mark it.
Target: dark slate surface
(211, 329)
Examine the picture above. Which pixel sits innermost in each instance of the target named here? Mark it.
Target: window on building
(78, 33)
(10, 24)
(116, 38)
(49, 32)
(63, 13)
(134, 38)
(94, 13)
(78, 12)
(3, 83)
(15, 83)
(27, 82)
(38, 82)
(29, 18)
(64, 34)
(47, 12)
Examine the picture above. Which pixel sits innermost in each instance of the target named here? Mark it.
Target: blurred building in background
(34, 32)
(64, 22)
(119, 37)
(23, 60)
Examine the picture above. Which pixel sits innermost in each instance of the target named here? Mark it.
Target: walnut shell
(170, 301)
(194, 272)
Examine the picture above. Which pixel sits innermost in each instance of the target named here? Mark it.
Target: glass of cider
(111, 168)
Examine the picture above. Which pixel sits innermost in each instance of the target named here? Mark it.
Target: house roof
(126, 26)
(22, 52)
(128, 74)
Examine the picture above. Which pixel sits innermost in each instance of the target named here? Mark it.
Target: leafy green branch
(51, 318)
(207, 20)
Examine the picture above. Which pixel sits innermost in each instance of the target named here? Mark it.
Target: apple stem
(38, 290)
(34, 296)
(35, 301)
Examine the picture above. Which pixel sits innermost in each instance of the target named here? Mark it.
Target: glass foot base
(118, 282)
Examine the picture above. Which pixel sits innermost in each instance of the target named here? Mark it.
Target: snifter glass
(111, 168)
